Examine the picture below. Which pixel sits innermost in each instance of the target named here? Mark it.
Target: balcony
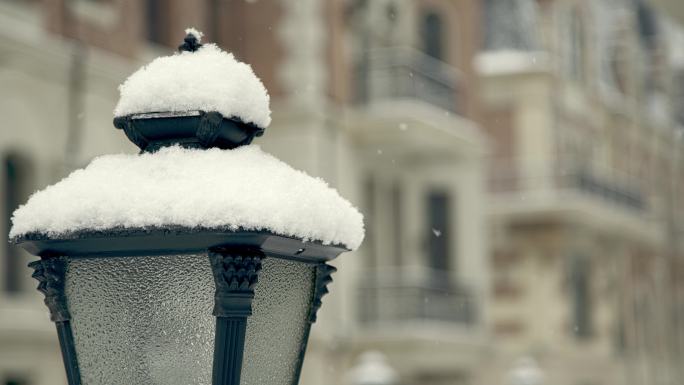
(611, 186)
(403, 73)
(569, 190)
(414, 296)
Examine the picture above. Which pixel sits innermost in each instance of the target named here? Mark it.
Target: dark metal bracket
(50, 272)
(236, 272)
(322, 280)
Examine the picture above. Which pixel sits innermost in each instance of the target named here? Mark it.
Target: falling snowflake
(436, 232)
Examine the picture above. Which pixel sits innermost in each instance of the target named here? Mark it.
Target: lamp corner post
(323, 278)
(324, 274)
(236, 273)
(50, 272)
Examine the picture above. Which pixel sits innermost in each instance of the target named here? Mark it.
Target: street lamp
(200, 260)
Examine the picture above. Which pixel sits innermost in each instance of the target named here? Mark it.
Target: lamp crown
(191, 42)
(165, 103)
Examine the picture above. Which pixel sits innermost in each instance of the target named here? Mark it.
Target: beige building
(584, 214)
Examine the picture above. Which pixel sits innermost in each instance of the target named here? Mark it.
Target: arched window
(433, 35)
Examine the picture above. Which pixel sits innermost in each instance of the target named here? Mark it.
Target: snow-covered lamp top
(198, 78)
(195, 189)
(194, 115)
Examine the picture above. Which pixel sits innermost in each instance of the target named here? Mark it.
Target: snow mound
(507, 62)
(373, 369)
(241, 188)
(208, 79)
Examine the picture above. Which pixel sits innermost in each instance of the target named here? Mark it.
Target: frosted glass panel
(142, 320)
(148, 320)
(276, 328)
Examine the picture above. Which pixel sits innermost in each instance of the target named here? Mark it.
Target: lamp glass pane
(142, 320)
(275, 331)
(148, 320)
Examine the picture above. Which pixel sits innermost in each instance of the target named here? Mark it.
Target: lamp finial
(192, 40)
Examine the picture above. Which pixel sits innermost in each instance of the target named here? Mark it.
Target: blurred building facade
(516, 162)
(580, 105)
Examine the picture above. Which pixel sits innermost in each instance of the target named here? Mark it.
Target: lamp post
(200, 260)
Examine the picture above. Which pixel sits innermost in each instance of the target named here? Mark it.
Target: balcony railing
(406, 73)
(410, 295)
(592, 184)
(612, 186)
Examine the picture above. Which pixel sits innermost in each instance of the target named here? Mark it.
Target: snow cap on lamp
(171, 97)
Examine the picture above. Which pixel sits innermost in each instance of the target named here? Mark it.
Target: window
(618, 62)
(576, 60)
(581, 297)
(15, 381)
(391, 11)
(510, 24)
(647, 24)
(397, 222)
(678, 91)
(15, 186)
(620, 335)
(213, 16)
(432, 34)
(155, 22)
(651, 83)
(439, 230)
(369, 218)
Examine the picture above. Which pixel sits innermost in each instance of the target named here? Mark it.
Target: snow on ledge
(242, 188)
(209, 79)
(505, 62)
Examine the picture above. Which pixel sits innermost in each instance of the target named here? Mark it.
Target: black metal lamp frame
(235, 258)
(194, 129)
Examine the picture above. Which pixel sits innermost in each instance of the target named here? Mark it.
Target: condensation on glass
(276, 328)
(148, 320)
